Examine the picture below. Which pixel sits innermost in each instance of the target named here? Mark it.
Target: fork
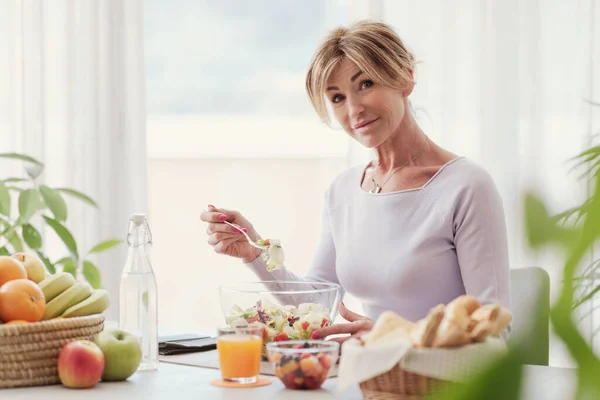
(250, 241)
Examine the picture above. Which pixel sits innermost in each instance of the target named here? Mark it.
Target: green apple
(122, 354)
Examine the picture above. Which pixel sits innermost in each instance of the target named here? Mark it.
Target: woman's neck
(402, 147)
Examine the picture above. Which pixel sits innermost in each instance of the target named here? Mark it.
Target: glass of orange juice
(240, 352)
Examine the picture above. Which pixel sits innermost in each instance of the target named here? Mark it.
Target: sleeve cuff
(259, 267)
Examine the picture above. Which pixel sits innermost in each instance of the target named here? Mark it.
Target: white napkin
(360, 363)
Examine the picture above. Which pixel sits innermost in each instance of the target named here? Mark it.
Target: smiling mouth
(365, 124)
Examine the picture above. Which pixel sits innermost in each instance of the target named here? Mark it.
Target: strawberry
(265, 334)
(280, 337)
(305, 325)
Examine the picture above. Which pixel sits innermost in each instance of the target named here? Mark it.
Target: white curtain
(505, 83)
(73, 93)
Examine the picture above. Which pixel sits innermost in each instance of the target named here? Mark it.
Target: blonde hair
(373, 46)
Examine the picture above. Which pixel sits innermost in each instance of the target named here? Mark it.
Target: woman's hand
(226, 239)
(357, 326)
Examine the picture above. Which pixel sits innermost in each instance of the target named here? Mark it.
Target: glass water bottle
(138, 293)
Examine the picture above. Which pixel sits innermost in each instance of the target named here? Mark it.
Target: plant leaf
(15, 241)
(55, 202)
(91, 274)
(499, 380)
(65, 260)
(105, 245)
(4, 200)
(31, 236)
(587, 297)
(14, 180)
(71, 269)
(29, 203)
(537, 222)
(4, 251)
(64, 235)
(22, 157)
(46, 262)
(78, 195)
(69, 265)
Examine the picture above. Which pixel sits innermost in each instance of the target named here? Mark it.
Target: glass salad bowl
(290, 310)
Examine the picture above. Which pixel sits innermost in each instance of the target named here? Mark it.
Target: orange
(11, 269)
(16, 321)
(21, 299)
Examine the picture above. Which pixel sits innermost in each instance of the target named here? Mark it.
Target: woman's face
(367, 111)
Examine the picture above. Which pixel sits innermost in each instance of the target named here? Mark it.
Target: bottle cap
(138, 219)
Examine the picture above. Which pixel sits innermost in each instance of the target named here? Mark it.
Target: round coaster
(227, 384)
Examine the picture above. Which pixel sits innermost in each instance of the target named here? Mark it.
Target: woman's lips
(365, 125)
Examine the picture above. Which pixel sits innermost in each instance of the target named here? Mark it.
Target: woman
(418, 226)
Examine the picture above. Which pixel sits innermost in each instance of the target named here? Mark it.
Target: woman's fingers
(216, 238)
(337, 329)
(216, 227)
(213, 216)
(348, 315)
(223, 246)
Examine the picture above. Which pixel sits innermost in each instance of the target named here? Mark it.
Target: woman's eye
(366, 84)
(337, 98)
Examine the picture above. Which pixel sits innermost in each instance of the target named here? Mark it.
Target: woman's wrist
(253, 257)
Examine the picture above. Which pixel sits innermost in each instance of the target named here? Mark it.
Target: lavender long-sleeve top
(409, 250)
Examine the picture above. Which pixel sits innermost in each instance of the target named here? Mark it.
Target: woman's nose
(355, 108)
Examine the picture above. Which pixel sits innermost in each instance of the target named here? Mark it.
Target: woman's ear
(408, 89)
(410, 85)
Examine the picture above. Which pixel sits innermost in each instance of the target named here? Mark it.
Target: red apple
(80, 364)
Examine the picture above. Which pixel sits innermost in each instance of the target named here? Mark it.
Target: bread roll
(503, 320)
(482, 330)
(387, 322)
(458, 312)
(425, 332)
(451, 335)
(488, 312)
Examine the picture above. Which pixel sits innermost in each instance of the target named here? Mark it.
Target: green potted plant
(26, 205)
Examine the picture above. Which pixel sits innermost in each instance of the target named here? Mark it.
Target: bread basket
(29, 352)
(399, 359)
(429, 371)
(398, 383)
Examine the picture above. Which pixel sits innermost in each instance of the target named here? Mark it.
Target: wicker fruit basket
(29, 352)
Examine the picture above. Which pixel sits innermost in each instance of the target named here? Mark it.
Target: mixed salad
(283, 323)
(273, 257)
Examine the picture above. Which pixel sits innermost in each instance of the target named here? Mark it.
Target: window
(230, 124)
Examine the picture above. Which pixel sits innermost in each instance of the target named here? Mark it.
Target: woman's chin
(369, 141)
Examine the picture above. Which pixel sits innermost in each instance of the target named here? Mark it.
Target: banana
(56, 284)
(95, 304)
(73, 295)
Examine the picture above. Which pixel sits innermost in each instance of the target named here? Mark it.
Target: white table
(173, 381)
